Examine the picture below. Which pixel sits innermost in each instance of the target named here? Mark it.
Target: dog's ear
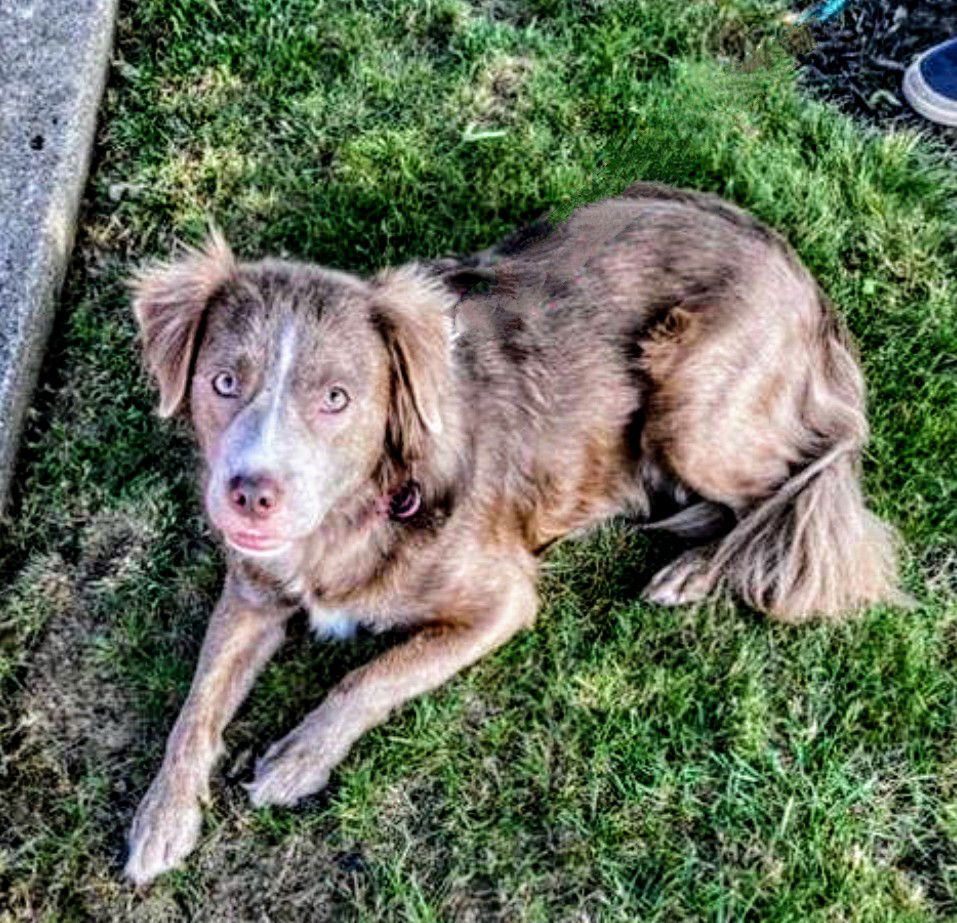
(412, 312)
(169, 301)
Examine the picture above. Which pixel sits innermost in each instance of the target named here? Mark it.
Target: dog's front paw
(164, 831)
(291, 768)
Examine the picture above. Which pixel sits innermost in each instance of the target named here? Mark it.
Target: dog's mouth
(251, 542)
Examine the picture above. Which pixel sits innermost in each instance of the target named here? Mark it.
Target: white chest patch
(331, 624)
(328, 623)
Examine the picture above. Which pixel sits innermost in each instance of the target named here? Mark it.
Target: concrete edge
(54, 59)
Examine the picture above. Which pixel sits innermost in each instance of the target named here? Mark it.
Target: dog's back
(666, 340)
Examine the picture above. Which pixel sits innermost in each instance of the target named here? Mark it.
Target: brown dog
(660, 354)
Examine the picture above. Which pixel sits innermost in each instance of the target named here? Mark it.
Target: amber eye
(225, 384)
(335, 400)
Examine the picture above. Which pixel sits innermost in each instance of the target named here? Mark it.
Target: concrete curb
(54, 56)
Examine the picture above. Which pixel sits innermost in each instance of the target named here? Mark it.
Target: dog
(398, 453)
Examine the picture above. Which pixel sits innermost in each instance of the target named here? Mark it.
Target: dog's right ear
(169, 301)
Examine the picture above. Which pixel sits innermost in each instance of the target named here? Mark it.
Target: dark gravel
(859, 57)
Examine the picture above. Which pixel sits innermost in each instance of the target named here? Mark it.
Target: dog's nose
(258, 496)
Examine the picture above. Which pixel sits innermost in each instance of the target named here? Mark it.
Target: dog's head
(301, 383)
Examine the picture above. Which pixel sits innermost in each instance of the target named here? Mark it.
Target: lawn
(621, 761)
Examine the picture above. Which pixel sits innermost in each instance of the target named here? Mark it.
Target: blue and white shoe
(930, 83)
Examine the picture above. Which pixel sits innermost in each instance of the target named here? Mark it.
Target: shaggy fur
(400, 452)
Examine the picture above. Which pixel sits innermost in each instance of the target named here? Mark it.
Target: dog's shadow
(297, 680)
(614, 562)
(609, 566)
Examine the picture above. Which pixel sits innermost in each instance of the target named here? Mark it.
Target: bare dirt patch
(71, 724)
(71, 704)
(497, 97)
(301, 878)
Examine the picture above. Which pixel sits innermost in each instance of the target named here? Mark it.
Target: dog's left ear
(169, 301)
(413, 314)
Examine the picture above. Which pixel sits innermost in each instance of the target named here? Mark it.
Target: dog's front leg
(240, 639)
(300, 763)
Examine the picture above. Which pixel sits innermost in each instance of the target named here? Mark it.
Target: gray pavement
(54, 56)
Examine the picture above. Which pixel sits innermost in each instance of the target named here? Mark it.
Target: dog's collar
(404, 502)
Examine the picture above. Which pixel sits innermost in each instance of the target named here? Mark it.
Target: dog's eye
(225, 384)
(335, 400)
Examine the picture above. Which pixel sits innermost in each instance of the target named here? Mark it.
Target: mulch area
(859, 57)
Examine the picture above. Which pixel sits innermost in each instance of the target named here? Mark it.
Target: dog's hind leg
(767, 419)
(690, 578)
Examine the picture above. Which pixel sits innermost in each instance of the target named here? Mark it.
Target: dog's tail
(812, 548)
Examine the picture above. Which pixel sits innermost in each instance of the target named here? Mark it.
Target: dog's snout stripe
(277, 384)
(260, 440)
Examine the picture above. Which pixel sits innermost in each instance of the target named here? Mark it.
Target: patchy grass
(621, 762)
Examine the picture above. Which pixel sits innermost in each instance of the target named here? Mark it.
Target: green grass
(621, 762)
